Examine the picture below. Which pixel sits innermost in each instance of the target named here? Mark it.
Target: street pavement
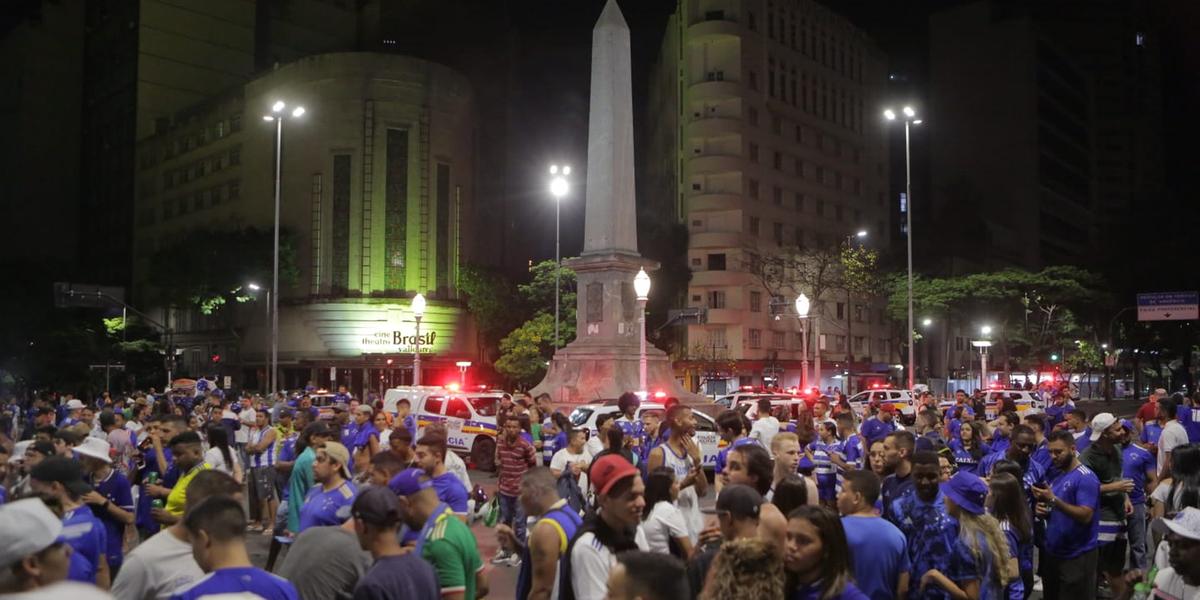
(503, 580)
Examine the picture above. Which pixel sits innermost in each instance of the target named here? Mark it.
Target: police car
(1026, 403)
(469, 417)
(902, 400)
(706, 428)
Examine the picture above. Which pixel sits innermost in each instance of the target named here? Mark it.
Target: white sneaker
(502, 557)
(514, 560)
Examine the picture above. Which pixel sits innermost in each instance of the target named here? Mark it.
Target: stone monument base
(581, 375)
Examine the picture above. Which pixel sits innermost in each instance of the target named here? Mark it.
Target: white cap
(74, 404)
(1101, 422)
(26, 527)
(1186, 524)
(18, 453)
(1160, 392)
(94, 447)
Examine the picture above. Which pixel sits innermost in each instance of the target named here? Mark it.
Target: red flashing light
(660, 394)
(876, 386)
(216, 358)
(453, 387)
(747, 388)
(995, 386)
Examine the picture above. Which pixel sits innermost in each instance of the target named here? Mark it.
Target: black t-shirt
(403, 577)
(1107, 467)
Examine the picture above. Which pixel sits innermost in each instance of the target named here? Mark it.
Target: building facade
(765, 142)
(377, 186)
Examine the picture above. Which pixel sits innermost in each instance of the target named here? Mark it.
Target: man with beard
(682, 454)
(1070, 505)
(444, 541)
(897, 455)
(1103, 457)
(612, 529)
(1020, 450)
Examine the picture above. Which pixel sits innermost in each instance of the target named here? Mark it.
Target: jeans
(512, 515)
(1076, 576)
(1137, 537)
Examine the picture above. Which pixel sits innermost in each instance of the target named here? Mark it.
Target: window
(716, 338)
(798, 340)
(486, 406)
(755, 301)
(457, 408)
(716, 299)
(752, 188)
(799, 237)
(778, 162)
(751, 24)
(839, 343)
(778, 340)
(858, 343)
(754, 225)
(756, 338)
(696, 298)
(821, 343)
(235, 123)
(433, 404)
(778, 232)
(696, 262)
(235, 156)
(841, 310)
(778, 196)
(858, 313)
(716, 262)
(752, 115)
(958, 344)
(235, 190)
(753, 152)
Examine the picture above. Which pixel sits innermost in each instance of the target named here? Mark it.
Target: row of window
(828, 143)
(862, 312)
(202, 168)
(806, 36)
(826, 176)
(182, 205)
(191, 140)
(812, 94)
(779, 341)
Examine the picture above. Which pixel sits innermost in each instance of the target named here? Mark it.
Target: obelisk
(602, 362)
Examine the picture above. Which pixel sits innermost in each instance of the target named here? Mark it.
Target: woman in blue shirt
(965, 496)
(969, 448)
(818, 558)
(1008, 505)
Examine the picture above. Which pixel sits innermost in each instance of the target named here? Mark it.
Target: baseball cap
(338, 452)
(95, 448)
(1185, 524)
(737, 500)
(74, 404)
(1101, 422)
(18, 453)
(967, 490)
(1127, 424)
(409, 482)
(26, 527)
(377, 506)
(363, 409)
(608, 470)
(57, 469)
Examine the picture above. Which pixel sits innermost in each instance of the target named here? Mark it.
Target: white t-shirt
(593, 446)
(688, 501)
(156, 569)
(63, 589)
(1173, 434)
(664, 524)
(590, 563)
(764, 430)
(1160, 495)
(216, 460)
(247, 416)
(455, 465)
(1168, 584)
(565, 457)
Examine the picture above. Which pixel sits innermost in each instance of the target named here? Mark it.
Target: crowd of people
(155, 496)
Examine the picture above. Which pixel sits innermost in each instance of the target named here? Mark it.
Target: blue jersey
(1135, 463)
(326, 507)
(813, 592)
(363, 439)
(1023, 552)
(566, 522)
(1034, 474)
(116, 488)
(549, 444)
(143, 519)
(723, 454)
(1056, 414)
(349, 433)
(237, 580)
(1041, 456)
(451, 491)
(1191, 422)
(1067, 538)
(409, 422)
(824, 470)
(875, 430)
(891, 489)
(999, 442)
(933, 543)
(965, 459)
(632, 429)
(85, 534)
(878, 553)
(1151, 431)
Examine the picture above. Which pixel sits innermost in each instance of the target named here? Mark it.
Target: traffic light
(216, 358)
(1053, 358)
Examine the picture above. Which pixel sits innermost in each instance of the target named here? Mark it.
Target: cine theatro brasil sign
(402, 342)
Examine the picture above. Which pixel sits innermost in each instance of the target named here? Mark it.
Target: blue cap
(967, 490)
(1127, 425)
(409, 482)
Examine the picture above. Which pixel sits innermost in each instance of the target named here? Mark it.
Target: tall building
(377, 192)
(144, 60)
(765, 142)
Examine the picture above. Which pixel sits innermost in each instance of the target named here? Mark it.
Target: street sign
(1169, 306)
(228, 382)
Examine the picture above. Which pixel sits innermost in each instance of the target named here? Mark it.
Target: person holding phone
(1069, 503)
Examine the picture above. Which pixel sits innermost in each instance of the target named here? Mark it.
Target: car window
(485, 406)
(579, 416)
(433, 404)
(703, 422)
(878, 396)
(457, 408)
(894, 395)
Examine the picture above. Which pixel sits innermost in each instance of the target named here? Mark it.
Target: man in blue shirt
(328, 502)
(880, 426)
(879, 550)
(897, 455)
(628, 421)
(1020, 451)
(932, 535)
(1041, 454)
(396, 574)
(1140, 466)
(111, 499)
(62, 478)
(217, 527)
(732, 430)
(431, 457)
(1056, 411)
(1070, 504)
(1002, 431)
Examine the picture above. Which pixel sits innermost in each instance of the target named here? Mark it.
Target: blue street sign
(1169, 306)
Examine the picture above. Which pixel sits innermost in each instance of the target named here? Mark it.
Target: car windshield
(485, 406)
(579, 416)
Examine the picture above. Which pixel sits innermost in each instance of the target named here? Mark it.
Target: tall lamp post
(559, 186)
(983, 346)
(861, 235)
(418, 310)
(278, 115)
(641, 286)
(802, 307)
(910, 118)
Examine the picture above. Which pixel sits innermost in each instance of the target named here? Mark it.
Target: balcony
(715, 164)
(714, 89)
(715, 239)
(718, 201)
(724, 316)
(712, 126)
(701, 279)
(712, 30)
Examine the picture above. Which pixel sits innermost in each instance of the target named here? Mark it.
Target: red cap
(887, 408)
(608, 470)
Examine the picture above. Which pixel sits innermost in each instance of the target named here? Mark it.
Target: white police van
(1026, 403)
(707, 439)
(469, 417)
(902, 400)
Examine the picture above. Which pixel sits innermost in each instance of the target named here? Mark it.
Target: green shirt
(1107, 467)
(450, 548)
(299, 483)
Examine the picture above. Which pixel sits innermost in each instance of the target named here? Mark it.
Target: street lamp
(277, 116)
(641, 286)
(861, 234)
(802, 307)
(462, 365)
(559, 186)
(927, 322)
(986, 330)
(418, 309)
(909, 117)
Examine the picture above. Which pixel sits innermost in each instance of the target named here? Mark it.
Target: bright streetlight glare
(268, 118)
(641, 285)
(299, 111)
(253, 286)
(278, 106)
(554, 169)
(917, 122)
(558, 187)
(986, 330)
(418, 305)
(1104, 346)
(862, 233)
(566, 170)
(803, 304)
(927, 322)
(909, 112)
(889, 114)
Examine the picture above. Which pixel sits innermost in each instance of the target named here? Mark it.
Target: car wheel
(483, 454)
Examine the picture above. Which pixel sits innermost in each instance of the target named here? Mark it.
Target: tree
(539, 295)
(525, 352)
(493, 300)
(207, 268)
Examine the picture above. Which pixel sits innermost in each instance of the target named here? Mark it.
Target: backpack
(568, 489)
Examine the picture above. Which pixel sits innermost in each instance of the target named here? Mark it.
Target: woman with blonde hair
(966, 496)
(746, 569)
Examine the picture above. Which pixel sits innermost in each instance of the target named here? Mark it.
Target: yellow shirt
(178, 496)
